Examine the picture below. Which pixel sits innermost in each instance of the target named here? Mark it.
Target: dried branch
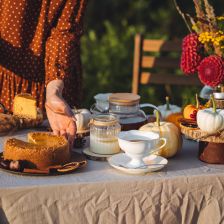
(210, 14)
(198, 8)
(192, 20)
(182, 15)
(200, 13)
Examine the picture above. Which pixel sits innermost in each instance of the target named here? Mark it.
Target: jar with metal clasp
(127, 107)
(104, 130)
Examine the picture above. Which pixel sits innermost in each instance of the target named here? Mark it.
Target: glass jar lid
(124, 99)
(104, 120)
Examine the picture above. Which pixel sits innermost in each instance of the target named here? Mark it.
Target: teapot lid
(126, 99)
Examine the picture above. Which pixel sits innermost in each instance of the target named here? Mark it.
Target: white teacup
(138, 144)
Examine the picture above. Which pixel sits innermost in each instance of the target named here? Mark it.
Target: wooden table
(186, 191)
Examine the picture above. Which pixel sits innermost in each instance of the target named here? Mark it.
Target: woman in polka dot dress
(40, 47)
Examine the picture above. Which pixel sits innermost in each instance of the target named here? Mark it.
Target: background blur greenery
(108, 44)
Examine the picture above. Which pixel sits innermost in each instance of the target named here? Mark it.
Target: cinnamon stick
(36, 171)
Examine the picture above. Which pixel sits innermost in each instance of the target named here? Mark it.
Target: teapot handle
(149, 105)
(144, 105)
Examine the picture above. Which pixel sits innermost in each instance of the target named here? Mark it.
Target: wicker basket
(197, 134)
(10, 123)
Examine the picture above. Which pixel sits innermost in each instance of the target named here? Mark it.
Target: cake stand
(211, 146)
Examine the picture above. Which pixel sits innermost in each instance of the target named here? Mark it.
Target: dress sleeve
(64, 38)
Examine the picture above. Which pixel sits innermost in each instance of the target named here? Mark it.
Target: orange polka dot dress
(40, 42)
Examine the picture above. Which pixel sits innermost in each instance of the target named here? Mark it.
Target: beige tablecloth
(186, 191)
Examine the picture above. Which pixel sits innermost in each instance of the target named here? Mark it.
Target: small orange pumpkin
(174, 118)
(190, 111)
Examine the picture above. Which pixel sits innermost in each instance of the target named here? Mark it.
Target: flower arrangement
(203, 48)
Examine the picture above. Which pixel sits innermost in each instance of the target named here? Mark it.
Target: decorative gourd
(174, 118)
(83, 117)
(190, 111)
(166, 130)
(211, 120)
(168, 109)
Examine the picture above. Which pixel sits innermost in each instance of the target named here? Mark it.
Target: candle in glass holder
(104, 130)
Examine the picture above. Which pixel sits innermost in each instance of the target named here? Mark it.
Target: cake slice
(42, 150)
(24, 106)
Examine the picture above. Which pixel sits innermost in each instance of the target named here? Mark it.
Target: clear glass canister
(127, 108)
(104, 130)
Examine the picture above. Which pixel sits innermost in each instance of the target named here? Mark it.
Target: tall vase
(206, 91)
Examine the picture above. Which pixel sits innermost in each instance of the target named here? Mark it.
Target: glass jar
(127, 108)
(104, 130)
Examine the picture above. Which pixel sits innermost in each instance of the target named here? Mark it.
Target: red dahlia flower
(211, 70)
(190, 57)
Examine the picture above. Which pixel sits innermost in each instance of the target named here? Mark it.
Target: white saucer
(154, 163)
(94, 156)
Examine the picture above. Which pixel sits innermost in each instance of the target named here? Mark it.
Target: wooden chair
(157, 62)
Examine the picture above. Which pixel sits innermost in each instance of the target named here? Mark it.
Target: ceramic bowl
(138, 144)
(102, 101)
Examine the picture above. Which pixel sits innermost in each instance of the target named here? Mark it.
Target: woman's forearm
(54, 87)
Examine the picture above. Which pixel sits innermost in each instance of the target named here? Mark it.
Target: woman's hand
(60, 115)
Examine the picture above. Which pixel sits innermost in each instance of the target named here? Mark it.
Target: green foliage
(107, 60)
(108, 44)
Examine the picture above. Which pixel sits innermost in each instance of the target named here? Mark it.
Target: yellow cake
(24, 106)
(26, 111)
(42, 150)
